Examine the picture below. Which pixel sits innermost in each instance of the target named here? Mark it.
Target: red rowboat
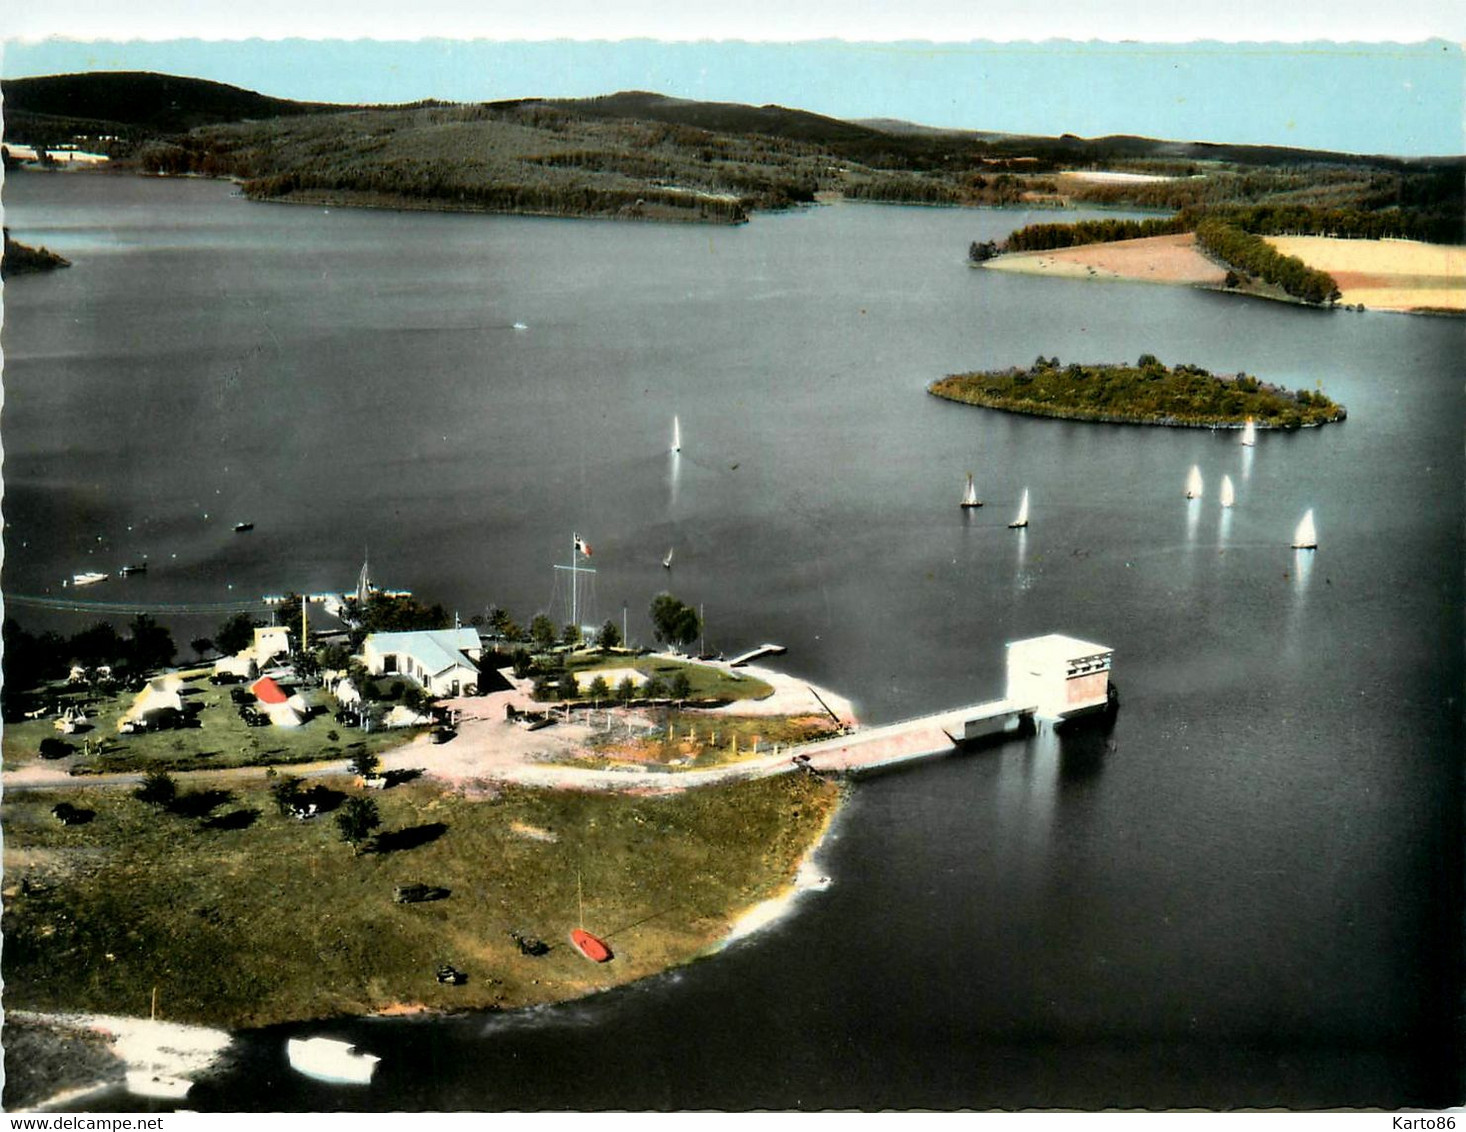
(597, 951)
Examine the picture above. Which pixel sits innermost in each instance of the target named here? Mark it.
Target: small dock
(928, 736)
(755, 653)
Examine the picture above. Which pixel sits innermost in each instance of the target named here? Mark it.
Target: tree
(158, 789)
(609, 637)
(569, 687)
(503, 626)
(365, 763)
(99, 644)
(625, 690)
(285, 792)
(674, 622)
(151, 645)
(356, 819)
(201, 645)
(681, 686)
(570, 635)
(236, 634)
(542, 633)
(599, 690)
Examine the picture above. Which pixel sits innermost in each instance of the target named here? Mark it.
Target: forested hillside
(642, 155)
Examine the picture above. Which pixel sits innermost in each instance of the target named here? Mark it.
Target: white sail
(1229, 496)
(676, 435)
(969, 497)
(667, 562)
(1022, 519)
(1193, 483)
(1306, 537)
(1249, 433)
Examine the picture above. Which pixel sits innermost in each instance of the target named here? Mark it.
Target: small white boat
(1249, 433)
(1022, 519)
(91, 577)
(143, 1083)
(1229, 495)
(667, 562)
(520, 326)
(969, 497)
(1306, 536)
(1193, 483)
(676, 435)
(327, 1059)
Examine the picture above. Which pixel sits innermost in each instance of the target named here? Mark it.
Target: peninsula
(1147, 392)
(22, 259)
(211, 855)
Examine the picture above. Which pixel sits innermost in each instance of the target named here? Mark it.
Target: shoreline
(783, 866)
(1368, 278)
(1066, 415)
(187, 1052)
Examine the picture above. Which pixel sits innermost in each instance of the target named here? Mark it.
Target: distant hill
(638, 154)
(721, 117)
(129, 103)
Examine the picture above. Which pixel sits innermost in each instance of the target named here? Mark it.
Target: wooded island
(1147, 392)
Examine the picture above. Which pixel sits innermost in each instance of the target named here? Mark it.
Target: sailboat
(969, 497)
(667, 562)
(676, 435)
(1022, 518)
(1229, 496)
(1249, 433)
(1306, 537)
(594, 949)
(1193, 483)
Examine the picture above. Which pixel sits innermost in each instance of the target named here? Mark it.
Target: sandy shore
(1400, 275)
(1155, 259)
(149, 1053)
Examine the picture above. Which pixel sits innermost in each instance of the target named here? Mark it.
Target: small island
(1148, 392)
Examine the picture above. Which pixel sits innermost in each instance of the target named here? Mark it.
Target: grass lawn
(240, 916)
(222, 740)
(707, 682)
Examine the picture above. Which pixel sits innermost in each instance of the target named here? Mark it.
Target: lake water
(1245, 893)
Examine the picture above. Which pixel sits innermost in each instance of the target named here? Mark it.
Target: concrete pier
(924, 737)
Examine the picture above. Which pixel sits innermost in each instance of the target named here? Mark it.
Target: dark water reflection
(1244, 892)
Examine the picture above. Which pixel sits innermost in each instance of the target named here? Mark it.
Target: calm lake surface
(1245, 893)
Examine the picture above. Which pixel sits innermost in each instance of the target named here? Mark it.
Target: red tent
(267, 691)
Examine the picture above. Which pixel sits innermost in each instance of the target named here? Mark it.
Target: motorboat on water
(330, 1060)
(240, 528)
(89, 578)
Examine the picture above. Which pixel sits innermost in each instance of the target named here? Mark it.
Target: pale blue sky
(1361, 97)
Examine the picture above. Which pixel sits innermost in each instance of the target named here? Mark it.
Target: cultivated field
(1386, 274)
